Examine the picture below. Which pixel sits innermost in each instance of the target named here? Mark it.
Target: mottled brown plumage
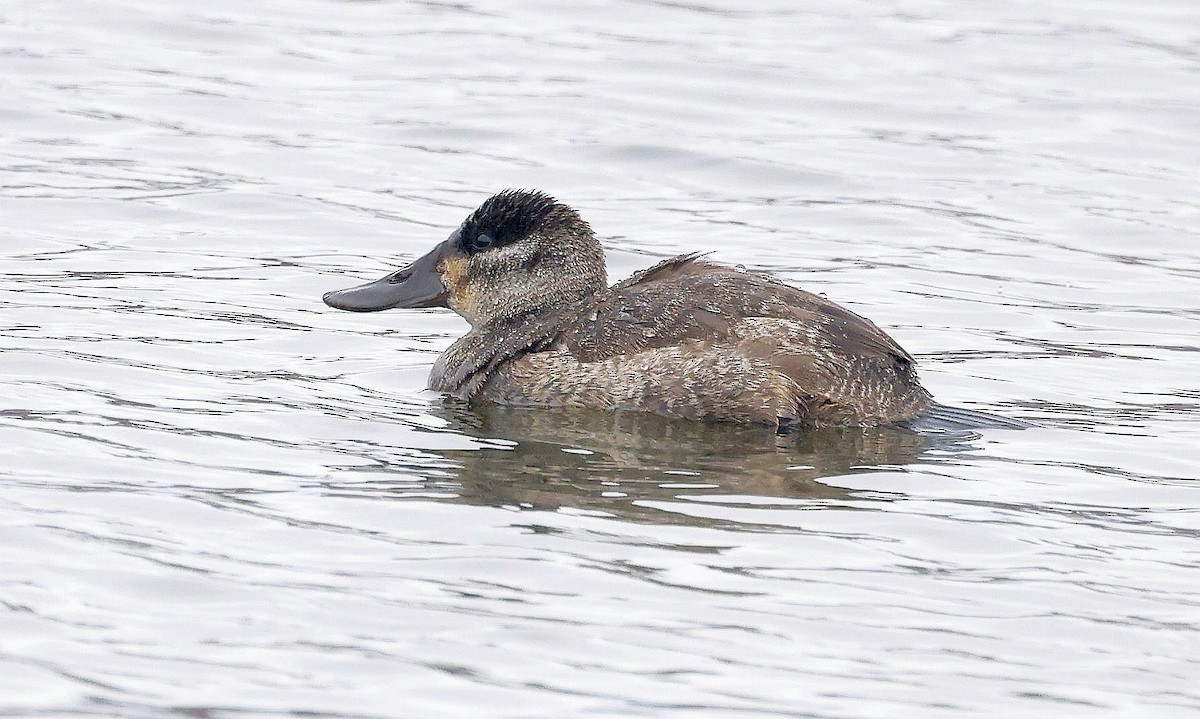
(686, 338)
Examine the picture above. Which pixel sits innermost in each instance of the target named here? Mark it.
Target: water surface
(220, 498)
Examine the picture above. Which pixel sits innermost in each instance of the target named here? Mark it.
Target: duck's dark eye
(482, 241)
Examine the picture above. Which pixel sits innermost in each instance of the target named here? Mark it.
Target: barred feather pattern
(691, 339)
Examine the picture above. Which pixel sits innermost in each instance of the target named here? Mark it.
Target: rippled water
(220, 498)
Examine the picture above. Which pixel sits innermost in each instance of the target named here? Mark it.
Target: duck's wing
(688, 298)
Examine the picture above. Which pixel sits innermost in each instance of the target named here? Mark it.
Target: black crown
(510, 216)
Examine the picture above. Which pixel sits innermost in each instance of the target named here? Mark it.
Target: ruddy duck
(685, 338)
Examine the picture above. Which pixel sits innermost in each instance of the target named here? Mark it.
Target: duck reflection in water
(613, 461)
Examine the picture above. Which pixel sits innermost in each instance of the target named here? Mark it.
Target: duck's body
(686, 338)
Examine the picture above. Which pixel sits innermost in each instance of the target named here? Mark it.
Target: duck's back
(689, 338)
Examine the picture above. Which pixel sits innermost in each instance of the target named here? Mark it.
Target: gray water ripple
(221, 499)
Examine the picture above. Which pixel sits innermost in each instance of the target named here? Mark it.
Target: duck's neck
(466, 365)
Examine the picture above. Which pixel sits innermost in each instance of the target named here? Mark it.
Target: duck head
(518, 253)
